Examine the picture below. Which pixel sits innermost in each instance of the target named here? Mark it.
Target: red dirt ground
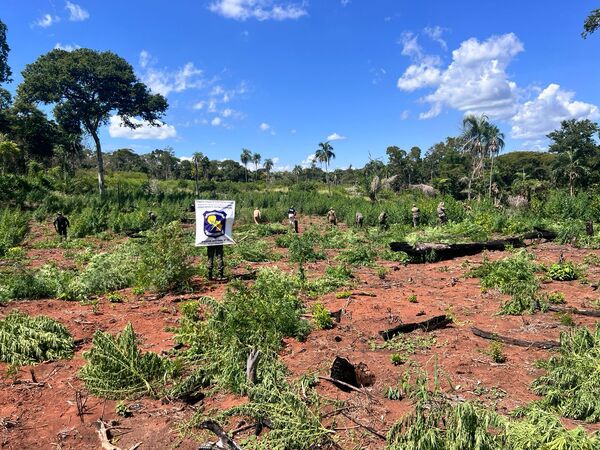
(44, 415)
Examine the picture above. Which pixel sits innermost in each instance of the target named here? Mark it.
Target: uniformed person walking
(61, 223)
(416, 215)
(441, 213)
(359, 220)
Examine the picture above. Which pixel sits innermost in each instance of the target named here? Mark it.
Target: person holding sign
(214, 225)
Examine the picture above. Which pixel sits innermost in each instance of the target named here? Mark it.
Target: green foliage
(249, 317)
(321, 317)
(562, 271)
(412, 298)
(335, 277)
(302, 248)
(571, 385)
(496, 352)
(382, 272)
(397, 359)
(14, 225)
(450, 234)
(255, 251)
(115, 367)
(555, 298)
(393, 393)
(513, 275)
(28, 340)
(114, 297)
(294, 413)
(165, 262)
(359, 255)
(566, 319)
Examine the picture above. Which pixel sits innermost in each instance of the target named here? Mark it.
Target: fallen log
(429, 252)
(427, 325)
(570, 310)
(102, 431)
(544, 345)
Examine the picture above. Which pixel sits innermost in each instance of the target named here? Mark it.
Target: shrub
(255, 251)
(249, 317)
(412, 298)
(496, 352)
(515, 276)
(321, 317)
(27, 340)
(165, 262)
(571, 385)
(14, 225)
(361, 255)
(562, 271)
(115, 367)
(397, 359)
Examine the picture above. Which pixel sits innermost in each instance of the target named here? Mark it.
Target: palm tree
(297, 171)
(324, 155)
(268, 165)
(495, 143)
(569, 164)
(256, 160)
(474, 138)
(197, 161)
(245, 157)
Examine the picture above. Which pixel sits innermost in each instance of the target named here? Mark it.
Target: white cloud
(257, 9)
(345, 2)
(76, 12)
(66, 47)
(144, 131)
(418, 76)
(410, 45)
(538, 117)
(404, 114)
(475, 82)
(335, 137)
(435, 33)
(46, 20)
(293, 131)
(163, 81)
(308, 161)
(216, 121)
(227, 112)
(264, 126)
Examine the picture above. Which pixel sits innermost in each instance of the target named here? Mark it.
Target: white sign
(214, 222)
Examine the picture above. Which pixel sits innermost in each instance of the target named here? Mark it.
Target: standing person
(359, 220)
(383, 225)
(331, 217)
(416, 215)
(257, 216)
(212, 252)
(61, 223)
(293, 218)
(152, 216)
(441, 213)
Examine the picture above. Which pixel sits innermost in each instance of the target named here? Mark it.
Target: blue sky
(279, 76)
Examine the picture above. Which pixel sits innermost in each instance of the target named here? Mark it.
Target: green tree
(256, 158)
(245, 158)
(268, 165)
(197, 160)
(494, 140)
(571, 167)
(9, 154)
(86, 87)
(591, 24)
(5, 72)
(474, 136)
(324, 155)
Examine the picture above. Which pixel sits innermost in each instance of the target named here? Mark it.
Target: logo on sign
(214, 223)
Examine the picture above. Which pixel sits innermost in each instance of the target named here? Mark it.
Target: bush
(115, 367)
(165, 260)
(562, 271)
(254, 317)
(14, 225)
(27, 340)
(361, 255)
(322, 317)
(571, 385)
(255, 251)
(515, 276)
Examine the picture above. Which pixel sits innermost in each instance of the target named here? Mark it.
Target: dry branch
(545, 345)
(105, 441)
(581, 312)
(224, 443)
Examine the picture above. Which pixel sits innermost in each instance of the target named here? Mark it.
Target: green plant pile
(564, 271)
(255, 317)
(449, 234)
(27, 340)
(571, 385)
(255, 251)
(335, 277)
(515, 276)
(115, 367)
(321, 317)
(359, 255)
